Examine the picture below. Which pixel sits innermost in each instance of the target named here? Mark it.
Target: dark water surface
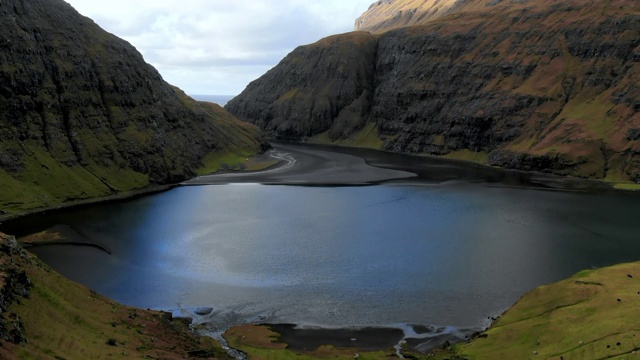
(448, 254)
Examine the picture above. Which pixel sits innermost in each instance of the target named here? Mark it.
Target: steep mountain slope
(325, 85)
(534, 85)
(82, 115)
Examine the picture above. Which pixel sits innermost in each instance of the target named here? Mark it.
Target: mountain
(83, 115)
(533, 85)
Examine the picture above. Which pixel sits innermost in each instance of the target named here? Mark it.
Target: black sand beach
(303, 165)
(325, 165)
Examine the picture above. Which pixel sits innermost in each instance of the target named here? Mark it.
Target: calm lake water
(447, 254)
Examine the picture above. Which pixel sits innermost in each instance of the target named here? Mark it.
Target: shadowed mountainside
(82, 115)
(532, 85)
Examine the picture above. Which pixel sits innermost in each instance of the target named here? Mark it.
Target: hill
(82, 115)
(46, 316)
(531, 85)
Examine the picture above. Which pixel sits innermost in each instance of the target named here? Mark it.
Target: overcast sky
(217, 47)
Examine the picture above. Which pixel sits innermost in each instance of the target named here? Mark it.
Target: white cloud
(219, 46)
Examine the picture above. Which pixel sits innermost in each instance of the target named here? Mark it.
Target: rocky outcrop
(83, 115)
(542, 85)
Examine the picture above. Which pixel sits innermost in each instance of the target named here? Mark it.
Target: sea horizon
(221, 100)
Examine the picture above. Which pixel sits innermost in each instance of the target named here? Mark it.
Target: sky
(216, 47)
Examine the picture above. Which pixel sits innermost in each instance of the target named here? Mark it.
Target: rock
(203, 311)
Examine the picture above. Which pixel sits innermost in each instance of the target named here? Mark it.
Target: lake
(403, 251)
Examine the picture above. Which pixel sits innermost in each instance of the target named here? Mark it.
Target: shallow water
(449, 254)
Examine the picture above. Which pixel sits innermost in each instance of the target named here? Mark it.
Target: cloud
(219, 46)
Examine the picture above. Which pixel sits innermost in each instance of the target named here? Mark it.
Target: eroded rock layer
(533, 85)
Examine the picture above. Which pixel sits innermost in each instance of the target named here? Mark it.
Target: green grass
(237, 160)
(45, 182)
(367, 137)
(120, 179)
(583, 317)
(627, 186)
(229, 160)
(468, 155)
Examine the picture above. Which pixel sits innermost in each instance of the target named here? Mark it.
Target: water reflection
(449, 254)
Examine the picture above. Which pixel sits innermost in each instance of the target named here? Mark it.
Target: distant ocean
(221, 100)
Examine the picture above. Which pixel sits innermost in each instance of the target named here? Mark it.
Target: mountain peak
(385, 15)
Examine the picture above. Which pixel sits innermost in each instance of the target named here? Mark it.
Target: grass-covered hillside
(82, 115)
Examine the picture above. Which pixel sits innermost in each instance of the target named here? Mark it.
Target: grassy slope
(64, 320)
(592, 315)
(367, 137)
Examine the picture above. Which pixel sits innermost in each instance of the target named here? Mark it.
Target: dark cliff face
(540, 85)
(83, 115)
(326, 86)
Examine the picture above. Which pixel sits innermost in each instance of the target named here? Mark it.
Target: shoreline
(413, 338)
(91, 201)
(549, 180)
(544, 180)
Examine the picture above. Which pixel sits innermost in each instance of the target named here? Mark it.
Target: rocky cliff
(82, 115)
(533, 85)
